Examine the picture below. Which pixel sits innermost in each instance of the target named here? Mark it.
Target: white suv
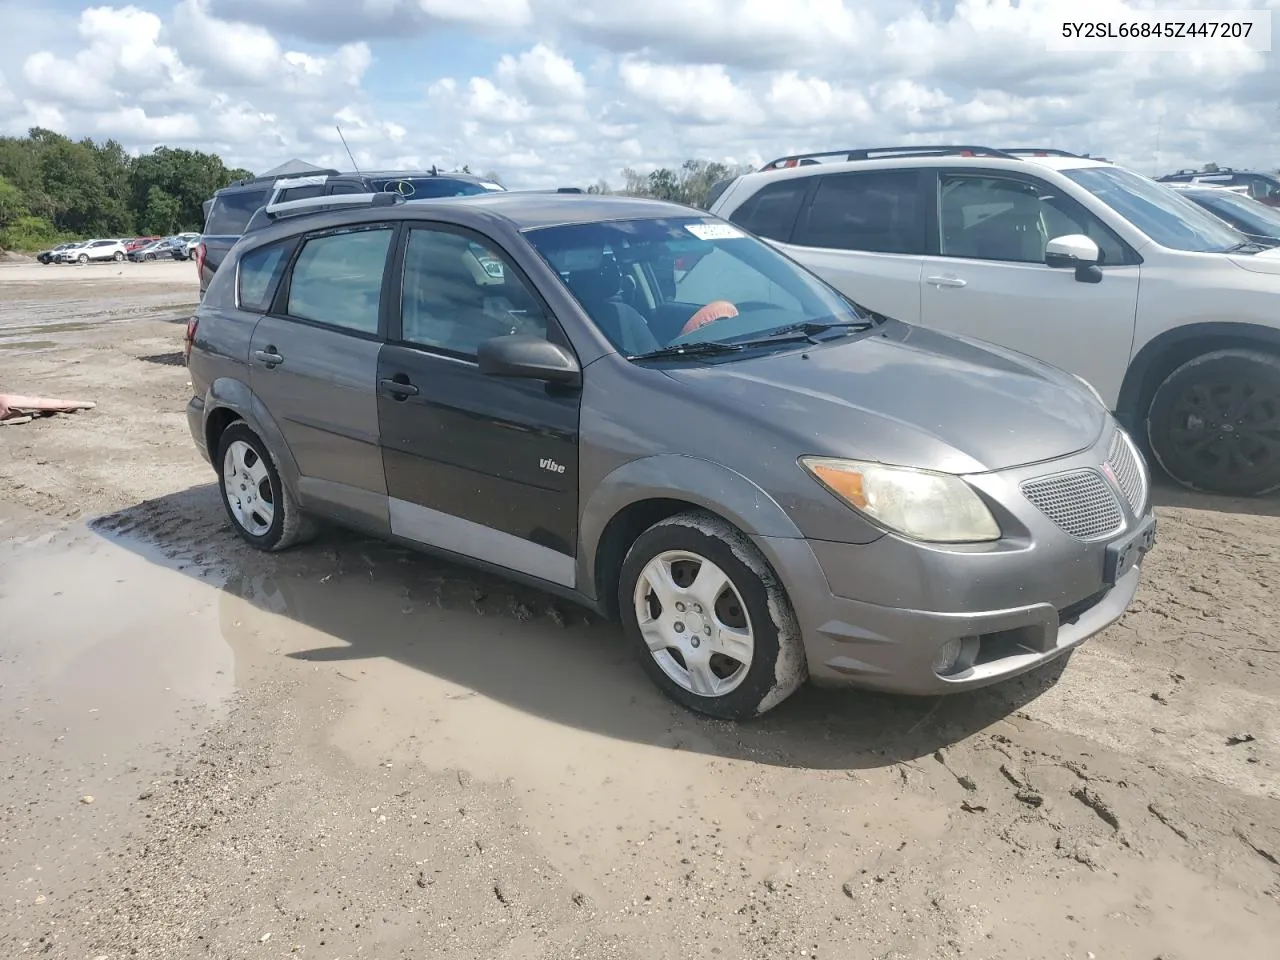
(1169, 313)
(94, 250)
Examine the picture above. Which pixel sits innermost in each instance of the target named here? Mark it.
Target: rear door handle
(398, 389)
(269, 357)
(945, 281)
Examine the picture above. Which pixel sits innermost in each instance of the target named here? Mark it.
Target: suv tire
(268, 517)
(117, 256)
(83, 258)
(1200, 426)
(741, 607)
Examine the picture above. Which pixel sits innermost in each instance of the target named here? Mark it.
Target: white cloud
(702, 93)
(542, 75)
(577, 89)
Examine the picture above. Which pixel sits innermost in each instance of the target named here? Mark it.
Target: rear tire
(117, 256)
(1214, 423)
(260, 507)
(723, 605)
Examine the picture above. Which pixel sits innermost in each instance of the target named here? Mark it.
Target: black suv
(1263, 187)
(228, 213)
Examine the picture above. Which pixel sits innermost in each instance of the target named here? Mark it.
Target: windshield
(1168, 219)
(429, 188)
(1250, 215)
(649, 284)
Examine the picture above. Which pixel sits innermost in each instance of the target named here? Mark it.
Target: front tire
(261, 509)
(709, 619)
(1214, 423)
(82, 259)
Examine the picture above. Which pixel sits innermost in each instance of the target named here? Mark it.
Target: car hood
(1264, 261)
(908, 396)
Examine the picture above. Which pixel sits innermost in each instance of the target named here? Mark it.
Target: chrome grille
(1079, 501)
(1122, 458)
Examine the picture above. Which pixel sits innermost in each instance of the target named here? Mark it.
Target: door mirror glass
(531, 358)
(1073, 250)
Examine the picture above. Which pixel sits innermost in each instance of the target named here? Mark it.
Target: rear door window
(301, 193)
(877, 211)
(337, 279)
(231, 211)
(772, 211)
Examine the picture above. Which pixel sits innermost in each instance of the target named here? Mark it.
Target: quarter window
(996, 218)
(259, 273)
(876, 211)
(772, 211)
(459, 292)
(337, 279)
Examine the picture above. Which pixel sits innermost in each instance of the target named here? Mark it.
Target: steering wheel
(713, 311)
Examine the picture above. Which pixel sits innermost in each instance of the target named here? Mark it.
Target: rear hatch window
(231, 211)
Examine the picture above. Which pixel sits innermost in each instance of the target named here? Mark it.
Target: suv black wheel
(1214, 423)
(260, 507)
(709, 619)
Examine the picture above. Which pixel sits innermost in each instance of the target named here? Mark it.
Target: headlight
(934, 507)
(1091, 388)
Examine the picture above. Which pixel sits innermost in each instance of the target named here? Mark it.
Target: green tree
(162, 215)
(12, 205)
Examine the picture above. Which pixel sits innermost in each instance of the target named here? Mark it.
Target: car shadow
(528, 650)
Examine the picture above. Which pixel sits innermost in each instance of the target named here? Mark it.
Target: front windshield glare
(1169, 219)
(649, 284)
(1257, 217)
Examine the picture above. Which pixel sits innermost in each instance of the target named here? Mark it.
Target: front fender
(677, 477)
(230, 394)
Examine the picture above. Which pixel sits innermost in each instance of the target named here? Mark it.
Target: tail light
(189, 339)
(200, 254)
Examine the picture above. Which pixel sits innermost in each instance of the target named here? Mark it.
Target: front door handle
(269, 357)
(945, 281)
(398, 389)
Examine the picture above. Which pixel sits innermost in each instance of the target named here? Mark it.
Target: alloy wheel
(694, 622)
(248, 487)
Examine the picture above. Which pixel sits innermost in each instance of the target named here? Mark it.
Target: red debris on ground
(17, 409)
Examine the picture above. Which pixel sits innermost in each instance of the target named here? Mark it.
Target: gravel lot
(350, 750)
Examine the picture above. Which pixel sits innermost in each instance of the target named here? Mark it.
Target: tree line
(54, 189)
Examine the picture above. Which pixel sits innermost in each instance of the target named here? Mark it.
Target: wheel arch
(1163, 354)
(643, 492)
(229, 400)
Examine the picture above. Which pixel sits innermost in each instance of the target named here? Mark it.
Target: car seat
(598, 290)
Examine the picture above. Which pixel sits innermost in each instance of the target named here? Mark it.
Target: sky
(567, 92)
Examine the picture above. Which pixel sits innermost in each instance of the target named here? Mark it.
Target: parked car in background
(1255, 220)
(761, 480)
(1167, 311)
(1263, 187)
(232, 206)
(136, 242)
(51, 255)
(168, 248)
(94, 251)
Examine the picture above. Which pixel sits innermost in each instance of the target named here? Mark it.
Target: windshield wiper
(806, 331)
(702, 349)
(1250, 246)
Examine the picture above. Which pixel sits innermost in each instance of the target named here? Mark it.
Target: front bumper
(877, 615)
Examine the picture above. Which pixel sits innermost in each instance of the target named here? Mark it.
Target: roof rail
(1041, 152)
(909, 150)
(275, 211)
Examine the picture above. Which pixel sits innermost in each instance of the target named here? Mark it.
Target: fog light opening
(955, 656)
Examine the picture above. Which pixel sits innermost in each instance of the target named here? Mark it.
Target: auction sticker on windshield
(714, 231)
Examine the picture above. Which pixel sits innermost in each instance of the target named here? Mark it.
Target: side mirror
(1075, 251)
(530, 358)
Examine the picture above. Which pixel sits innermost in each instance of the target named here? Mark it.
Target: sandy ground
(349, 750)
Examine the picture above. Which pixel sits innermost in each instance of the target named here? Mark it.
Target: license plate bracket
(1123, 554)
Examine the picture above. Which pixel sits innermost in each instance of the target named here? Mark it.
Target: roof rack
(274, 211)
(910, 150)
(1041, 152)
